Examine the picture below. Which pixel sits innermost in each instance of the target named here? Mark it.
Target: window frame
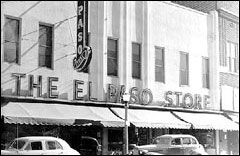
(232, 62)
(159, 66)
(180, 78)
(52, 49)
(18, 55)
(206, 74)
(140, 61)
(117, 59)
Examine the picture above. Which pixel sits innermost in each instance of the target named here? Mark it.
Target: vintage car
(39, 145)
(171, 144)
(89, 146)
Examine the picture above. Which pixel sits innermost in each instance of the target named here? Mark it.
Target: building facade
(226, 23)
(165, 55)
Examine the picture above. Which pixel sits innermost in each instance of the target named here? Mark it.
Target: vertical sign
(84, 52)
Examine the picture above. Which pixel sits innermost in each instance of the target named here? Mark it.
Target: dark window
(36, 145)
(11, 40)
(159, 65)
(176, 141)
(184, 74)
(112, 62)
(45, 46)
(136, 60)
(205, 76)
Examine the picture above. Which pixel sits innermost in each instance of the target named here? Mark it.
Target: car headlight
(142, 152)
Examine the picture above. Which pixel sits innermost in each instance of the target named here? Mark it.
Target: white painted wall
(152, 24)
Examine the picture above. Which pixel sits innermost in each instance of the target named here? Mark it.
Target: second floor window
(205, 72)
(11, 40)
(232, 57)
(159, 64)
(136, 60)
(112, 61)
(45, 46)
(184, 73)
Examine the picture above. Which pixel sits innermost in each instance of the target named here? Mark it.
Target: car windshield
(17, 144)
(162, 141)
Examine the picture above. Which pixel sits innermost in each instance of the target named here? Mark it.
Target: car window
(186, 141)
(36, 145)
(89, 142)
(18, 144)
(194, 141)
(176, 141)
(53, 145)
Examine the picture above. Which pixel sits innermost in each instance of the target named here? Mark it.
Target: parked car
(39, 145)
(89, 146)
(172, 144)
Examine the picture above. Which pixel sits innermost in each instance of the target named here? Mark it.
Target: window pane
(45, 56)
(48, 62)
(112, 67)
(136, 56)
(136, 70)
(159, 74)
(50, 145)
(184, 77)
(112, 48)
(184, 61)
(36, 145)
(45, 35)
(186, 141)
(112, 57)
(42, 60)
(12, 30)
(11, 52)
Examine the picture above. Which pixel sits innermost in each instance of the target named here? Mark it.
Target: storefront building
(161, 53)
(225, 44)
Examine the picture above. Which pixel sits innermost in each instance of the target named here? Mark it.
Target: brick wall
(204, 6)
(232, 6)
(207, 6)
(229, 79)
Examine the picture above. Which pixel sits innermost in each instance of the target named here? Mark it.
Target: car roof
(175, 136)
(38, 138)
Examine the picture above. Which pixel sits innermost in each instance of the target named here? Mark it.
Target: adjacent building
(176, 62)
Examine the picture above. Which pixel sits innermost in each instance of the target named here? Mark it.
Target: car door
(175, 147)
(53, 148)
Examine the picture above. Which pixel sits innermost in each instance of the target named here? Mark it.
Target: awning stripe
(58, 114)
(208, 121)
(152, 119)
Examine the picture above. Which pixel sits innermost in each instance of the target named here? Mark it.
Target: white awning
(152, 119)
(208, 121)
(58, 114)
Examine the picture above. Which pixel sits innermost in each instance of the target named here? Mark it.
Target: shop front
(67, 121)
(205, 126)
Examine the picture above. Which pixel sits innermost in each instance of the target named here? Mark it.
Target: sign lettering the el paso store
(84, 52)
(114, 93)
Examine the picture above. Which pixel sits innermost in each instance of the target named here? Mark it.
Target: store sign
(186, 100)
(84, 52)
(143, 97)
(36, 83)
(82, 91)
